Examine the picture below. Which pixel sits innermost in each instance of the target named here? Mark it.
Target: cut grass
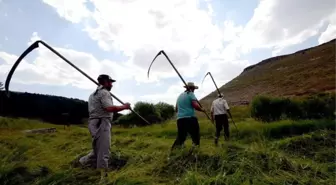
(285, 152)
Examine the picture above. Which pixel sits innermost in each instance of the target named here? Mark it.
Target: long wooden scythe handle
(36, 45)
(162, 52)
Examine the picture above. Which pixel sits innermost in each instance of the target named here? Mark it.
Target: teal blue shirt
(184, 106)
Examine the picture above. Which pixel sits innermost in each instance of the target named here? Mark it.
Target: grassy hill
(286, 152)
(302, 73)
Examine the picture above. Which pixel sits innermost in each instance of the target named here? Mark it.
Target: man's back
(184, 105)
(219, 106)
(97, 101)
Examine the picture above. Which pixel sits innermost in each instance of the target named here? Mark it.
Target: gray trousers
(101, 141)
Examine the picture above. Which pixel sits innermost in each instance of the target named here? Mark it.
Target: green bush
(258, 107)
(320, 106)
(126, 120)
(268, 109)
(314, 108)
(293, 109)
(147, 110)
(166, 110)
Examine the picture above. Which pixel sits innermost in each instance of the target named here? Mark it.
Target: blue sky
(120, 38)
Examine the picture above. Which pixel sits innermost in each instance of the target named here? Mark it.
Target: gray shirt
(98, 102)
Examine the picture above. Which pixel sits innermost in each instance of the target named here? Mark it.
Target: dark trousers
(222, 121)
(185, 126)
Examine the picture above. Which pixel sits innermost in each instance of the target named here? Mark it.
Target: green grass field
(280, 153)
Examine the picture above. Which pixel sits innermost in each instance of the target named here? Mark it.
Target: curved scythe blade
(212, 81)
(34, 46)
(205, 76)
(160, 52)
(17, 62)
(171, 63)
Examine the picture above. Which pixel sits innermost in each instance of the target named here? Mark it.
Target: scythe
(36, 45)
(162, 52)
(208, 73)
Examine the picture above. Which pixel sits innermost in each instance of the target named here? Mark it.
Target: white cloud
(330, 32)
(275, 25)
(48, 68)
(7, 58)
(187, 33)
(140, 31)
(169, 96)
(74, 11)
(34, 38)
(278, 24)
(231, 31)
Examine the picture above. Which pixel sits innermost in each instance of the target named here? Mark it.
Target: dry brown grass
(305, 72)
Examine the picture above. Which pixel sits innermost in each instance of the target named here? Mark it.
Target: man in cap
(186, 119)
(101, 111)
(219, 111)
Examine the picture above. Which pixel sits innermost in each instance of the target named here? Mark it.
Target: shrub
(258, 107)
(262, 108)
(293, 109)
(146, 110)
(126, 120)
(166, 110)
(314, 108)
(319, 106)
(269, 109)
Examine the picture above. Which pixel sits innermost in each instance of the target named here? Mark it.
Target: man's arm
(117, 108)
(228, 111)
(107, 103)
(194, 102)
(227, 108)
(212, 111)
(196, 106)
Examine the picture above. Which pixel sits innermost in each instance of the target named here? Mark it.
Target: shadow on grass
(116, 161)
(22, 176)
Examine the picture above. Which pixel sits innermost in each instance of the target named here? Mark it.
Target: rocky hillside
(301, 73)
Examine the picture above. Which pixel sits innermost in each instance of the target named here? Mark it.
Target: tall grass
(257, 154)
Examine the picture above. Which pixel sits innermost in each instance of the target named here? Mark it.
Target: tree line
(53, 109)
(62, 110)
